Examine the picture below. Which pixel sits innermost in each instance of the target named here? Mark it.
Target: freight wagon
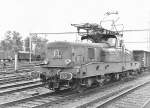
(143, 57)
(25, 56)
(6, 55)
(22, 56)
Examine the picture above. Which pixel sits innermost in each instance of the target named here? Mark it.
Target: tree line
(13, 42)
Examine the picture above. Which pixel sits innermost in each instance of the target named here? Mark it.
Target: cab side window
(91, 53)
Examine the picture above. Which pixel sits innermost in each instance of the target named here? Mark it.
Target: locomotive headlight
(45, 62)
(67, 61)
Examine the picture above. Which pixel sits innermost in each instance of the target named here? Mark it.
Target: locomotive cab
(58, 55)
(58, 58)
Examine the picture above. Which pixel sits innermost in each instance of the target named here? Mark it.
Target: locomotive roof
(76, 44)
(141, 51)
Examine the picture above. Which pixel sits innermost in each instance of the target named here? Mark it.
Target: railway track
(102, 103)
(20, 83)
(11, 92)
(14, 77)
(89, 99)
(38, 100)
(10, 70)
(15, 87)
(136, 98)
(73, 99)
(23, 73)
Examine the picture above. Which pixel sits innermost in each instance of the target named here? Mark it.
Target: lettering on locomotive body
(65, 76)
(57, 53)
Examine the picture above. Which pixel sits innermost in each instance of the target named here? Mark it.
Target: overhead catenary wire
(133, 30)
(137, 42)
(55, 33)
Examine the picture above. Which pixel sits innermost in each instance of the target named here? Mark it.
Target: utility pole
(149, 41)
(16, 61)
(16, 50)
(30, 48)
(24, 48)
(108, 14)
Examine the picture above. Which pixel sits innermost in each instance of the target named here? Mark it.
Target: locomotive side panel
(133, 65)
(99, 68)
(116, 55)
(102, 68)
(79, 55)
(111, 62)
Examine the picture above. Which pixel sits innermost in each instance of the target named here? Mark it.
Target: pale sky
(27, 16)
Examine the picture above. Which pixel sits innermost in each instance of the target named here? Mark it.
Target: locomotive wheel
(80, 89)
(56, 89)
(77, 87)
(117, 76)
(127, 74)
(100, 82)
(138, 71)
(74, 86)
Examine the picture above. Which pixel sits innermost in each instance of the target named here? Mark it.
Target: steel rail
(18, 84)
(5, 105)
(104, 102)
(20, 88)
(52, 102)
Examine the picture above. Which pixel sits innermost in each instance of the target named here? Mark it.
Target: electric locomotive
(77, 65)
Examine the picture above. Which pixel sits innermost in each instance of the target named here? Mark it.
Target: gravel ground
(22, 94)
(136, 99)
